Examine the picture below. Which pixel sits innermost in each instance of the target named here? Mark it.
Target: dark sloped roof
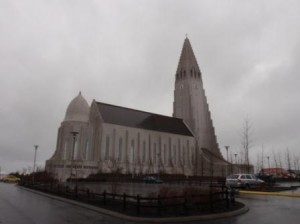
(213, 156)
(140, 119)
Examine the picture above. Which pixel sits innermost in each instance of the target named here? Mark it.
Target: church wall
(144, 151)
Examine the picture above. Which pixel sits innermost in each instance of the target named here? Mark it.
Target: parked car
(152, 180)
(10, 179)
(243, 181)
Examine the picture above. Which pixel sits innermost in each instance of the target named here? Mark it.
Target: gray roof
(141, 119)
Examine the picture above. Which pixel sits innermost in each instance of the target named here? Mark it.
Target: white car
(243, 181)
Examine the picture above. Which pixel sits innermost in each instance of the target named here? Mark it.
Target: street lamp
(35, 149)
(227, 147)
(268, 157)
(235, 155)
(74, 134)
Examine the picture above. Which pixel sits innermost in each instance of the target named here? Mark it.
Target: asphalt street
(19, 206)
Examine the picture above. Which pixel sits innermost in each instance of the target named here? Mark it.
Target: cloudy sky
(126, 53)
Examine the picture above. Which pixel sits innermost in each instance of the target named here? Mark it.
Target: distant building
(107, 138)
(276, 172)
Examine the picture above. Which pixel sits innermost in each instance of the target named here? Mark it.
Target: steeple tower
(190, 102)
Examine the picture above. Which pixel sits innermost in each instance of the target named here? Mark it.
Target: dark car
(152, 180)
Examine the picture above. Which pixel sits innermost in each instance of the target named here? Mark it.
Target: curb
(271, 193)
(140, 219)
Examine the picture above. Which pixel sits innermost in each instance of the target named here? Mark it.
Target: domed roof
(78, 110)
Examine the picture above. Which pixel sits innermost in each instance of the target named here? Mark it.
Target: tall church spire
(190, 102)
(187, 65)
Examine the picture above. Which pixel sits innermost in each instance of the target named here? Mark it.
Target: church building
(105, 138)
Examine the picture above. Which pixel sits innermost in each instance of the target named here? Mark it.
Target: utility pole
(33, 171)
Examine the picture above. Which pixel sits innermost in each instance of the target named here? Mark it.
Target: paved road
(18, 206)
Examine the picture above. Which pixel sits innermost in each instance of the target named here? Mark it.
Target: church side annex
(104, 137)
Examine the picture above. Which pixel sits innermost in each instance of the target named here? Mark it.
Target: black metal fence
(217, 198)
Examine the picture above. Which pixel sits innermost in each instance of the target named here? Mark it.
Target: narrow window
(144, 151)
(75, 152)
(154, 153)
(170, 154)
(174, 154)
(87, 153)
(165, 154)
(65, 150)
(106, 156)
(120, 149)
(132, 151)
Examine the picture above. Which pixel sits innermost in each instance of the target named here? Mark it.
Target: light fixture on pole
(33, 170)
(74, 134)
(268, 157)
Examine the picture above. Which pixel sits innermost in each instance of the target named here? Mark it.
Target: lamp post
(74, 134)
(227, 147)
(268, 157)
(235, 155)
(35, 149)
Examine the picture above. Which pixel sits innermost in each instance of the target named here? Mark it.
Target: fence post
(227, 198)
(232, 197)
(185, 207)
(138, 204)
(88, 194)
(67, 191)
(159, 205)
(124, 201)
(76, 191)
(104, 197)
(211, 205)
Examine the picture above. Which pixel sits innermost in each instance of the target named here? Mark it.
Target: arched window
(65, 150)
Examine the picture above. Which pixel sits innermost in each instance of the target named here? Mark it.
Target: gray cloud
(50, 50)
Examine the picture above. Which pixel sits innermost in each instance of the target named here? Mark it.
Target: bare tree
(115, 168)
(288, 159)
(275, 159)
(246, 142)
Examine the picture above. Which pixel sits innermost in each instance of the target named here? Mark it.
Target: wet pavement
(19, 206)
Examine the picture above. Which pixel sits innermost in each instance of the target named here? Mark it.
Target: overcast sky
(126, 53)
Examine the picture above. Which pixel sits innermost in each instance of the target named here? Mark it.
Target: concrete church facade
(106, 138)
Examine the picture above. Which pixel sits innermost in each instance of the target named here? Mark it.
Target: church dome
(78, 110)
